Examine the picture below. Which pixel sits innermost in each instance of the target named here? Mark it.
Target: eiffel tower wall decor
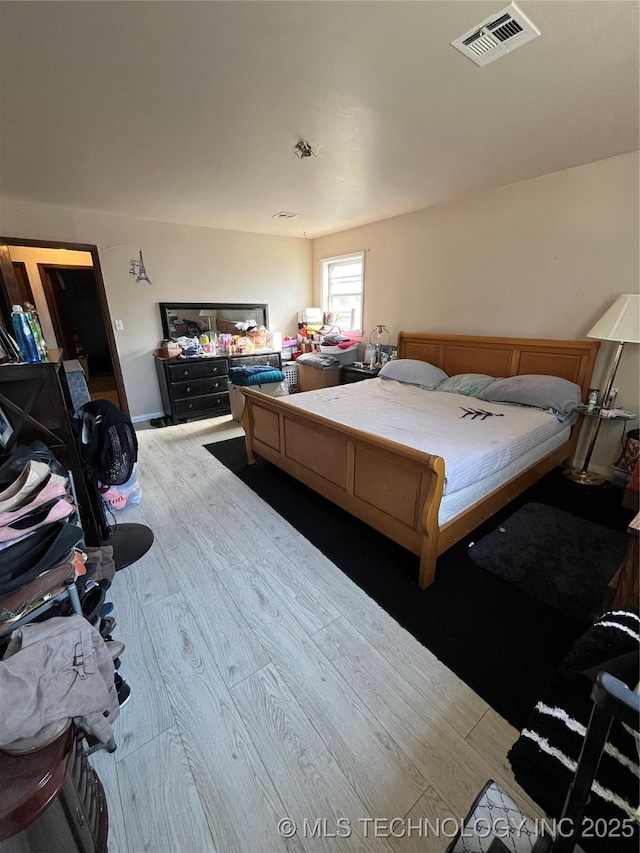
(137, 270)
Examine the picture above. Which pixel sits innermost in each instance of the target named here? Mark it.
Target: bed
(397, 488)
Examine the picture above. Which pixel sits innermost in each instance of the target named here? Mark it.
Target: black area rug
(500, 641)
(556, 557)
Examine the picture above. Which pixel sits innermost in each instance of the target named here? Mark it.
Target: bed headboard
(573, 360)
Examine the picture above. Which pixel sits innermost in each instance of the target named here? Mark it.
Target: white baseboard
(136, 419)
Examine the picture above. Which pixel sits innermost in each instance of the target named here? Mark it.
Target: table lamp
(206, 312)
(620, 323)
(379, 337)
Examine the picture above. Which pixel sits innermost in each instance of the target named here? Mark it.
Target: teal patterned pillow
(470, 384)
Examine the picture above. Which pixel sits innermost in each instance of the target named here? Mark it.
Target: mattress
(474, 449)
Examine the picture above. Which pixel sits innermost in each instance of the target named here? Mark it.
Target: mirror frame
(219, 306)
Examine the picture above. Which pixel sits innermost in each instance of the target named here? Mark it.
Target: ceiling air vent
(497, 36)
(285, 214)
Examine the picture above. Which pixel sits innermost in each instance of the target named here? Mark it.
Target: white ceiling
(189, 112)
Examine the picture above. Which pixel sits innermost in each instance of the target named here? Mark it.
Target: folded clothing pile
(257, 374)
(318, 361)
(339, 341)
(190, 347)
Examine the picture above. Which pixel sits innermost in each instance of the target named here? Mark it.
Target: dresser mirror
(194, 318)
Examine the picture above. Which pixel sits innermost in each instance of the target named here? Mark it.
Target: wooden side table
(351, 373)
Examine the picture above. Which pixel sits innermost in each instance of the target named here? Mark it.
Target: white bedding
(473, 449)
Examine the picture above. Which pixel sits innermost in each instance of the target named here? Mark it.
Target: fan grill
(120, 457)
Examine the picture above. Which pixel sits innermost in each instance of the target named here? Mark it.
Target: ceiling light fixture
(285, 214)
(302, 149)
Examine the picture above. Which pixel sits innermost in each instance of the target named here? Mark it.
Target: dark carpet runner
(500, 641)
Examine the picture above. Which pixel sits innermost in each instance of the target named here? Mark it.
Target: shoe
(122, 688)
(21, 454)
(91, 603)
(54, 488)
(106, 626)
(34, 474)
(106, 609)
(55, 510)
(46, 586)
(115, 648)
(39, 551)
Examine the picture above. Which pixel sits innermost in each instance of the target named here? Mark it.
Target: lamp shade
(206, 312)
(621, 322)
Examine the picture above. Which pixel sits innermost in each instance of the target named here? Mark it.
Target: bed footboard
(395, 489)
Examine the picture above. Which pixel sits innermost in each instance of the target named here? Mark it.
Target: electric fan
(108, 448)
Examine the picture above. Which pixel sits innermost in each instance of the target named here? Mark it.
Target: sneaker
(123, 689)
(106, 626)
(114, 647)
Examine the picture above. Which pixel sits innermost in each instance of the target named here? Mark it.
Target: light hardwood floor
(266, 685)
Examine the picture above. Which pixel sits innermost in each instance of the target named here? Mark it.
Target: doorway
(68, 290)
(76, 316)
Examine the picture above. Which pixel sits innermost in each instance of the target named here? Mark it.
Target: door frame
(56, 308)
(7, 274)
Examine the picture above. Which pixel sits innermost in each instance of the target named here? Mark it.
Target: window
(343, 290)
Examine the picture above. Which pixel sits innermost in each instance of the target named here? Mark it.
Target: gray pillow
(413, 372)
(543, 392)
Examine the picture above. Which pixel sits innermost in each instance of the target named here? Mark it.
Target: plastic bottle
(37, 334)
(24, 334)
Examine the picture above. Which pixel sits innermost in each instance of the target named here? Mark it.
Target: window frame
(358, 255)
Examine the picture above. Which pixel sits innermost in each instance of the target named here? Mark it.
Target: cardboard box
(167, 352)
(310, 378)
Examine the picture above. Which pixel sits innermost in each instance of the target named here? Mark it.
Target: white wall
(541, 258)
(184, 263)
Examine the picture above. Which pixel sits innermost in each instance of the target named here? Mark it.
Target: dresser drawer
(199, 387)
(199, 405)
(197, 369)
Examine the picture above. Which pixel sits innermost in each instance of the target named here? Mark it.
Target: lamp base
(584, 478)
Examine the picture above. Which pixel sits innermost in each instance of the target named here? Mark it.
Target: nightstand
(350, 374)
(582, 475)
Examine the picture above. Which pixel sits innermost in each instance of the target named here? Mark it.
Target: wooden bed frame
(397, 489)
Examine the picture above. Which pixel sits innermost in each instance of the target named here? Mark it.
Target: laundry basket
(291, 377)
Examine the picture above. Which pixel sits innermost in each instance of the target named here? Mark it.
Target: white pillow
(413, 372)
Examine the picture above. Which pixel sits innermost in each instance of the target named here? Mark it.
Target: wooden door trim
(5, 257)
(9, 283)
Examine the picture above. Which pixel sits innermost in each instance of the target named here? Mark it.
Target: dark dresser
(198, 387)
